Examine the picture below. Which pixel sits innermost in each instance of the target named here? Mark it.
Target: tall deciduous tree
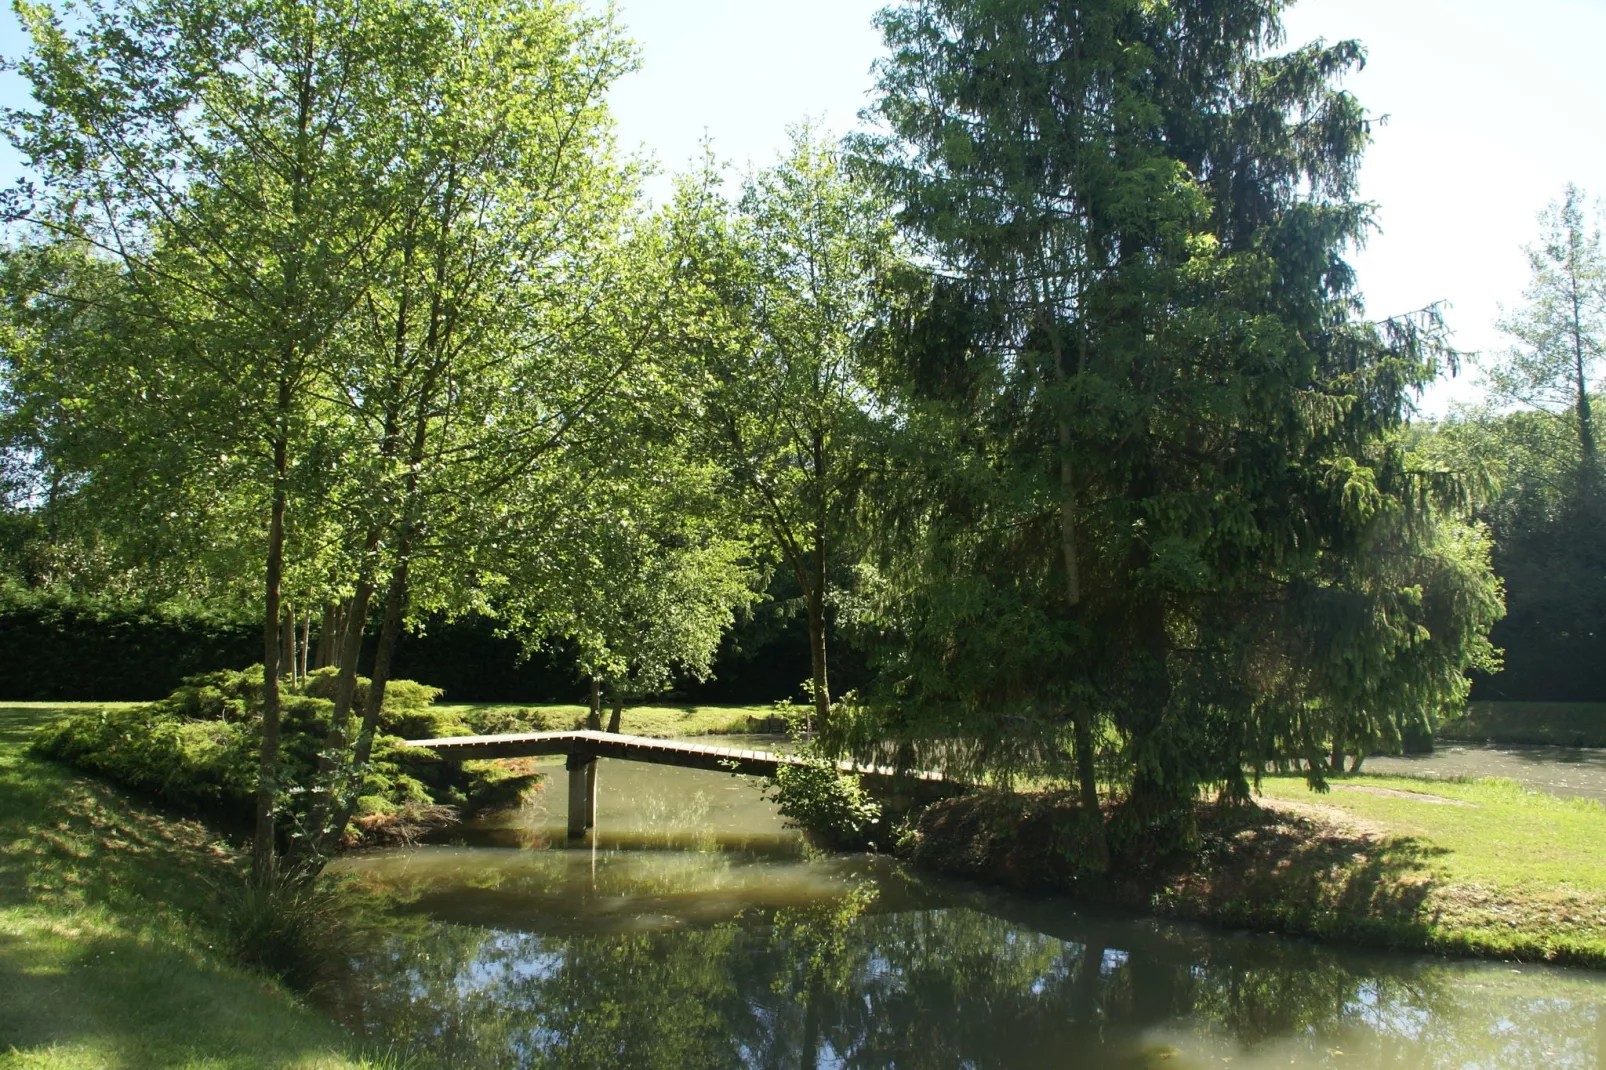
(775, 360)
(1157, 431)
(506, 302)
(233, 161)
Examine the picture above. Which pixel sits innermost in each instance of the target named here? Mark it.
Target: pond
(698, 932)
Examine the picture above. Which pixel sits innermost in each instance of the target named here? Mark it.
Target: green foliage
(1544, 525)
(1560, 333)
(198, 750)
(829, 805)
(1154, 516)
(778, 293)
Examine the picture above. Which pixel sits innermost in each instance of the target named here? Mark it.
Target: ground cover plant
(111, 945)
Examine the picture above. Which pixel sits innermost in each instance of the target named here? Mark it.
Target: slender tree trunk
(816, 595)
(1081, 717)
(1586, 421)
(287, 654)
(817, 658)
(389, 634)
(263, 847)
(326, 634)
(348, 647)
(617, 715)
(306, 648)
(1337, 763)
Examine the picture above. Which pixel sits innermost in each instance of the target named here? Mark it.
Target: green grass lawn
(1482, 866)
(1562, 724)
(658, 721)
(106, 923)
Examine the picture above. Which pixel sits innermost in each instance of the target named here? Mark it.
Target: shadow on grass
(106, 907)
(104, 998)
(73, 841)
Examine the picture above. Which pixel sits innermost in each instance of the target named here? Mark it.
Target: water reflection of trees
(839, 984)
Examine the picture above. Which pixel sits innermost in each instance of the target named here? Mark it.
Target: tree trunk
(1590, 462)
(348, 648)
(817, 661)
(287, 650)
(817, 658)
(306, 648)
(389, 634)
(326, 636)
(1081, 718)
(1337, 762)
(616, 717)
(1355, 766)
(262, 844)
(594, 717)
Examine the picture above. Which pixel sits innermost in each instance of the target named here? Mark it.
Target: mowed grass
(1561, 724)
(108, 956)
(1475, 866)
(659, 722)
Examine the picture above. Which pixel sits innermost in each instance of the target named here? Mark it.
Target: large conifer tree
(1166, 523)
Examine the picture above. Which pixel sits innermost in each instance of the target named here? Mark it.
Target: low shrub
(833, 809)
(198, 749)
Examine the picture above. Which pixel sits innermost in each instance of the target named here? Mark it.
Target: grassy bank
(1462, 867)
(661, 722)
(1561, 724)
(108, 953)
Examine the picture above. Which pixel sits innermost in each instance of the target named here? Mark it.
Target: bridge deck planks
(640, 749)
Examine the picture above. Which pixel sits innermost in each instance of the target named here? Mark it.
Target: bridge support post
(582, 794)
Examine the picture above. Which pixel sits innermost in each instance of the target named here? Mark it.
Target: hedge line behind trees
(58, 650)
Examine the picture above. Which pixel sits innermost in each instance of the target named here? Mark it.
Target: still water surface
(698, 933)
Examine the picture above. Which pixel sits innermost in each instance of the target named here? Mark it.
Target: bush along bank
(1479, 867)
(197, 750)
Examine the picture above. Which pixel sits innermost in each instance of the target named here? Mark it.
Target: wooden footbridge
(583, 748)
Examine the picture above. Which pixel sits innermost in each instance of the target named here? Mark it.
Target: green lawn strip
(1562, 724)
(107, 955)
(1476, 866)
(660, 722)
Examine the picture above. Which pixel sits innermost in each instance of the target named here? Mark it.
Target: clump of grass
(290, 928)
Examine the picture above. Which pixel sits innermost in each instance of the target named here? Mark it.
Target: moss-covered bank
(1457, 867)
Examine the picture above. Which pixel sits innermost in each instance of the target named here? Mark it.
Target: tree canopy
(1054, 390)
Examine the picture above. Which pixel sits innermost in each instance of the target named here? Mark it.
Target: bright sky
(1493, 106)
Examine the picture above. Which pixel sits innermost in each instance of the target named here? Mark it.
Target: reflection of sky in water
(617, 956)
